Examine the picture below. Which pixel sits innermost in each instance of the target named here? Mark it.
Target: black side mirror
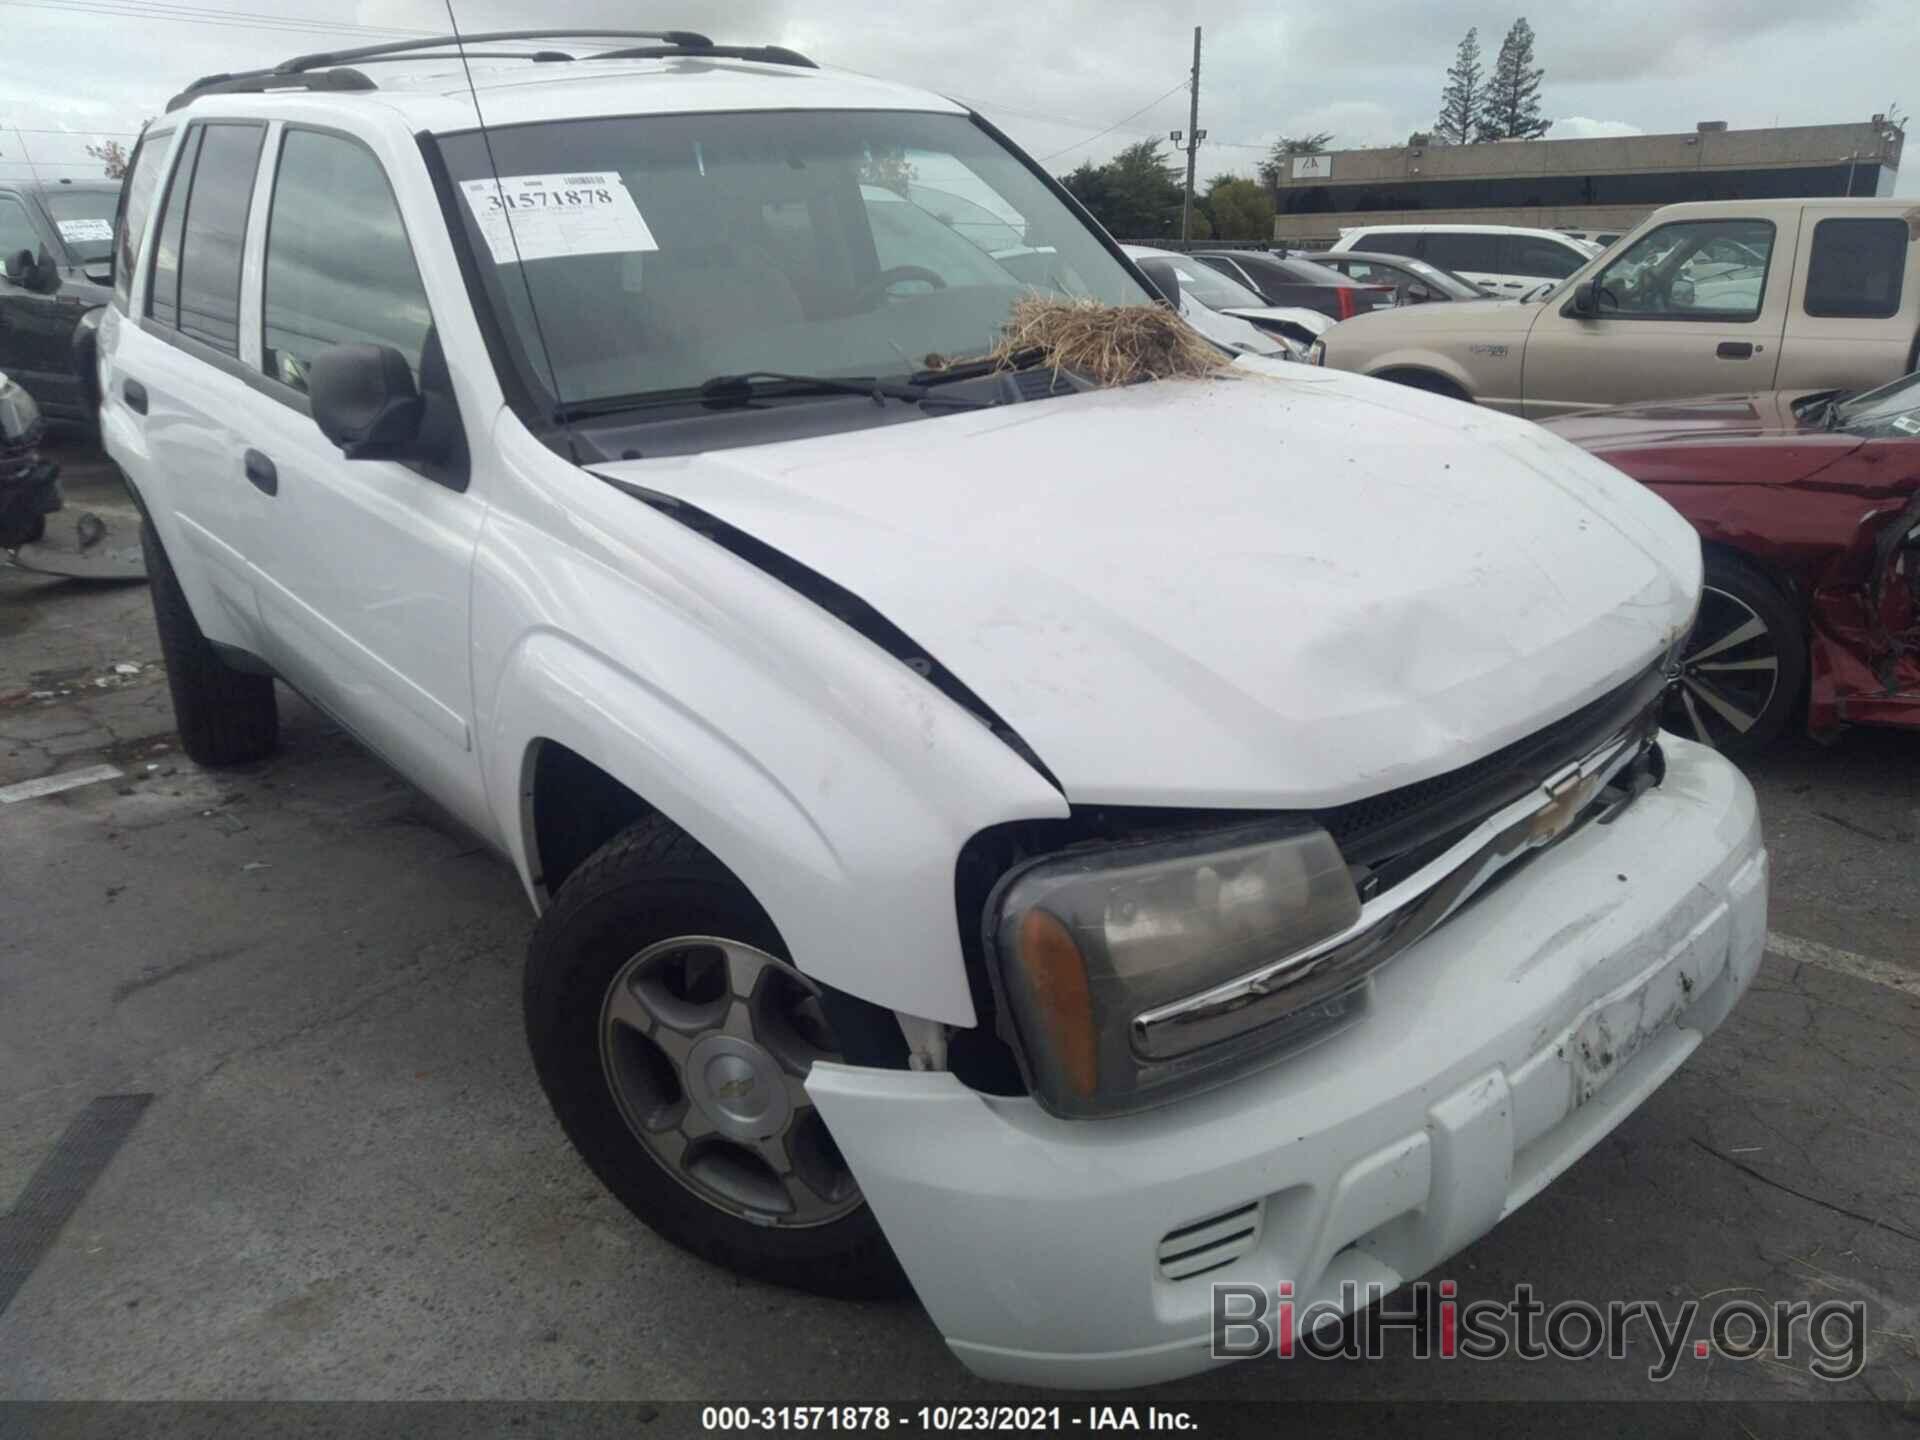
(20, 267)
(1160, 273)
(364, 400)
(1583, 302)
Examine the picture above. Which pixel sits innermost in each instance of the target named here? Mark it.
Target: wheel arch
(1424, 377)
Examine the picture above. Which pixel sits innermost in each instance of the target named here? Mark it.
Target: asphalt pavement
(347, 1185)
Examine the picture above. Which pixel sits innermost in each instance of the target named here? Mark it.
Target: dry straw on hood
(1106, 344)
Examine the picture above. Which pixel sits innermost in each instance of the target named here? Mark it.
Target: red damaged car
(1808, 508)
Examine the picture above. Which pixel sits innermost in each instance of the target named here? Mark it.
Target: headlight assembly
(1317, 353)
(1084, 942)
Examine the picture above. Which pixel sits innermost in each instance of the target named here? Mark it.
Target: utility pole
(1195, 135)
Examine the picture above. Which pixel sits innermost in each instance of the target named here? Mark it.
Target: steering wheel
(870, 293)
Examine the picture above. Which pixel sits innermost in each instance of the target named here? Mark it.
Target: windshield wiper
(757, 385)
(974, 369)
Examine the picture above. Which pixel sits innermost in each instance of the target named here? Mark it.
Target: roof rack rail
(331, 69)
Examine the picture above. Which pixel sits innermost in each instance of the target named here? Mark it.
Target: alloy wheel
(1729, 672)
(706, 1044)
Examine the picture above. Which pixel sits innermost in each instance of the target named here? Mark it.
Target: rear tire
(618, 1048)
(1745, 664)
(224, 717)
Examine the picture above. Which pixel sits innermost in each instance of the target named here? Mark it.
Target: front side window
(659, 252)
(1856, 268)
(1689, 270)
(339, 270)
(136, 203)
(16, 230)
(1527, 255)
(215, 234)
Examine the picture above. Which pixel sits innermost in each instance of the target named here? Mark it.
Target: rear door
(1856, 304)
(1693, 307)
(187, 393)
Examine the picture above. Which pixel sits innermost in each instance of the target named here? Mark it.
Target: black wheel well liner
(574, 807)
(1419, 377)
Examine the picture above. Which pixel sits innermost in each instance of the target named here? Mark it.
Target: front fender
(1434, 362)
(836, 783)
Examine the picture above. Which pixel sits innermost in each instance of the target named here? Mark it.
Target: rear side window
(339, 270)
(1462, 252)
(136, 203)
(1856, 268)
(1390, 244)
(216, 230)
(163, 286)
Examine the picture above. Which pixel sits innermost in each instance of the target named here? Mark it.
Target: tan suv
(1707, 297)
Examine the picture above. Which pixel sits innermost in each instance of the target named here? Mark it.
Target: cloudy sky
(1055, 73)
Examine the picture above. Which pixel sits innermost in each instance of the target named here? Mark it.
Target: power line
(1116, 124)
(201, 15)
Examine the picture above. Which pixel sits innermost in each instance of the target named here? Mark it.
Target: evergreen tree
(1463, 97)
(1512, 108)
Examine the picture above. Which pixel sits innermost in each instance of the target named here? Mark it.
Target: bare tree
(113, 155)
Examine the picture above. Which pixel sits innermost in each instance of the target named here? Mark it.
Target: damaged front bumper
(1492, 1054)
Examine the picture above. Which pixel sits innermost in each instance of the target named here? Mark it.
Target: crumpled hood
(1283, 587)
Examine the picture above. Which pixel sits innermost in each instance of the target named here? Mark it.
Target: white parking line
(54, 784)
(1844, 962)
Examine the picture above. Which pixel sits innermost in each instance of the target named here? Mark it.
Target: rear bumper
(1492, 1055)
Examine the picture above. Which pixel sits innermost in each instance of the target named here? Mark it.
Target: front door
(1695, 307)
(364, 598)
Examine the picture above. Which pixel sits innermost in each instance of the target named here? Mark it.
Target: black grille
(1388, 824)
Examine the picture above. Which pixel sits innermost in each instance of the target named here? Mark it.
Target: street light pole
(1194, 136)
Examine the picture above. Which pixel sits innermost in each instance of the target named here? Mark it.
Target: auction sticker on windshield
(538, 217)
(75, 231)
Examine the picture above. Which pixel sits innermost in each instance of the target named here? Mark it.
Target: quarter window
(339, 270)
(1689, 270)
(136, 203)
(215, 234)
(1856, 268)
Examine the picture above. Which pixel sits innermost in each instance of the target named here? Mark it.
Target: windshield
(662, 251)
(1889, 412)
(84, 219)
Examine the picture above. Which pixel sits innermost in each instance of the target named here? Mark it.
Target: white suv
(1504, 260)
(987, 826)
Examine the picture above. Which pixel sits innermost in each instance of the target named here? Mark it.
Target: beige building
(1604, 185)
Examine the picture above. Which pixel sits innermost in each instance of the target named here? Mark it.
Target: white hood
(1284, 587)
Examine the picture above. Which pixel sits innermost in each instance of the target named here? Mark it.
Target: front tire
(1745, 664)
(673, 1038)
(224, 717)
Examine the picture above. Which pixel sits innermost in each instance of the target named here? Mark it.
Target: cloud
(1579, 127)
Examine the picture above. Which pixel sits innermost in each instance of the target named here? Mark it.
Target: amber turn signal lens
(1057, 976)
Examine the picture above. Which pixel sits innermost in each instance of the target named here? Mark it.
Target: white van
(1502, 259)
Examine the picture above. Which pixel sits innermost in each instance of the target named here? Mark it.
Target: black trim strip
(1234, 1238)
(843, 605)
